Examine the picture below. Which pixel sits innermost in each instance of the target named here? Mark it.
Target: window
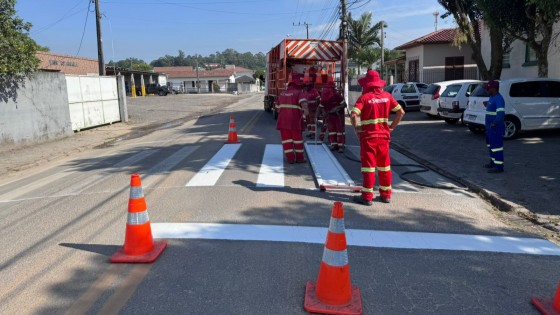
(505, 60)
(421, 87)
(526, 89)
(480, 90)
(530, 57)
(551, 88)
(451, 91)
(389, 88)
(470, 89)
(432, 89)
(408, 88)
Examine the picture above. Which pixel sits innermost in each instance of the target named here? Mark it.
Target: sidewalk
(530, 186)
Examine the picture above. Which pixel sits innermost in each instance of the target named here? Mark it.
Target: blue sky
(149, 29)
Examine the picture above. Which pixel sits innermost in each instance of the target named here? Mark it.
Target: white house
(185, 78)
(521, 61)
(433, 58)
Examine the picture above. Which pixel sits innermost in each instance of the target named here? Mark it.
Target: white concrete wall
(434, 55)
(412, 54)
(39, 113)
(517, 58)
(93, 101)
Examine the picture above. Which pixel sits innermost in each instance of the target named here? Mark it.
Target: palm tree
(362, 36)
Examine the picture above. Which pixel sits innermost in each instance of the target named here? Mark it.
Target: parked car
(160, 90)
(429, 100)
(453, 101)
(407, 94)
(530, 104)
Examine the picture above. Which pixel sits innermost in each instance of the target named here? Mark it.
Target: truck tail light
(455, 105)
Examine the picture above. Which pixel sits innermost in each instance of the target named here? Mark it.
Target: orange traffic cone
(548, 306)
(139, 245)
(333, 293)
(232, 134)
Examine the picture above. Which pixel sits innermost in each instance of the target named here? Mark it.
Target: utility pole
(382, 48)
(344, 66)
(436, 14)
(306, 27)
(99, 40)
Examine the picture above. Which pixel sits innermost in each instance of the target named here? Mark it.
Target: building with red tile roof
(185, 77)
(433, 58)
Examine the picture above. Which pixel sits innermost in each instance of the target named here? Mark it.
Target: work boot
(495, 170)
(383, 200)
(359, 199)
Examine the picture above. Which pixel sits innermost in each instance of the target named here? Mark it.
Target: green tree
(530, 21)
(468, 15)
(131, 63)
(362, 38)
(17, 51)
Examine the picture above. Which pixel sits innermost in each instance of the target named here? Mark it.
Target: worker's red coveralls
(373, 108)
(313, 99)
(290, 123)
(330, 99)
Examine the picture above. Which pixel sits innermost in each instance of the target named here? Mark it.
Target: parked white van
(531, 104)
(453, 101)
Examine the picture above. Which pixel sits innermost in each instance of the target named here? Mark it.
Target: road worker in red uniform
(332, 107)
(313, 100)
(292, 106)
(370, 118)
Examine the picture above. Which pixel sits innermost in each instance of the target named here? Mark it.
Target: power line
(84, 30)
(62, 18)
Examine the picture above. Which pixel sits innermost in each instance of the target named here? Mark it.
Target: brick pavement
(532, 177)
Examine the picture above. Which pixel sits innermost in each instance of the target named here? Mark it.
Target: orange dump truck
(311, 58)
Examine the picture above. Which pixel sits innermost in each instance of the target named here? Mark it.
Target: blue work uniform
(495, 129)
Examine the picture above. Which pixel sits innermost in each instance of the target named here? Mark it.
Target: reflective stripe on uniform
(336, 226)
(137, 218)
(289, 151)
(299, 151)
(332, 133)
(302, 100)
(288, 141)
(356, 110)
(368, 169)
(335, 258)
(385, 188)
(397, 108)
(298, 142)
(498, 162)
(384, 169)
(375, 121)
(497, 149)
(367, 189)
(289, 106)
(500, 110)
(136, 192)
(491, 113)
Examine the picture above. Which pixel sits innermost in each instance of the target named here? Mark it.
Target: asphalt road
(60, 224)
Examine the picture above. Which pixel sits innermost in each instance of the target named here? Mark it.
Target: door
(532, 103)
(454, 68)
(413, 69)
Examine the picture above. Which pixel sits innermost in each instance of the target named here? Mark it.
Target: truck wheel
(512, 127)
(451, 121)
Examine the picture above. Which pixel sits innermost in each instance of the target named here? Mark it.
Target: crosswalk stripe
(364, 238)
(211, 172)
(271, 173)
(153, 174)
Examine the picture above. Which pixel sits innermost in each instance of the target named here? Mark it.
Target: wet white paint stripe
(160, 170)
(366, 238)
(326, 167)
(211, 172)
(271, 173)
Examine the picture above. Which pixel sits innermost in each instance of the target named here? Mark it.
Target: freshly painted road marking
(326, 167)
(211, 172)
(366, 238)
(160, 170)
(271, 173)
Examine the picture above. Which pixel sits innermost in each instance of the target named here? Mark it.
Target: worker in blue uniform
(495, 128)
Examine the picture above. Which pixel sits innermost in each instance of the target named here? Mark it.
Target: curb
(494, 199)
